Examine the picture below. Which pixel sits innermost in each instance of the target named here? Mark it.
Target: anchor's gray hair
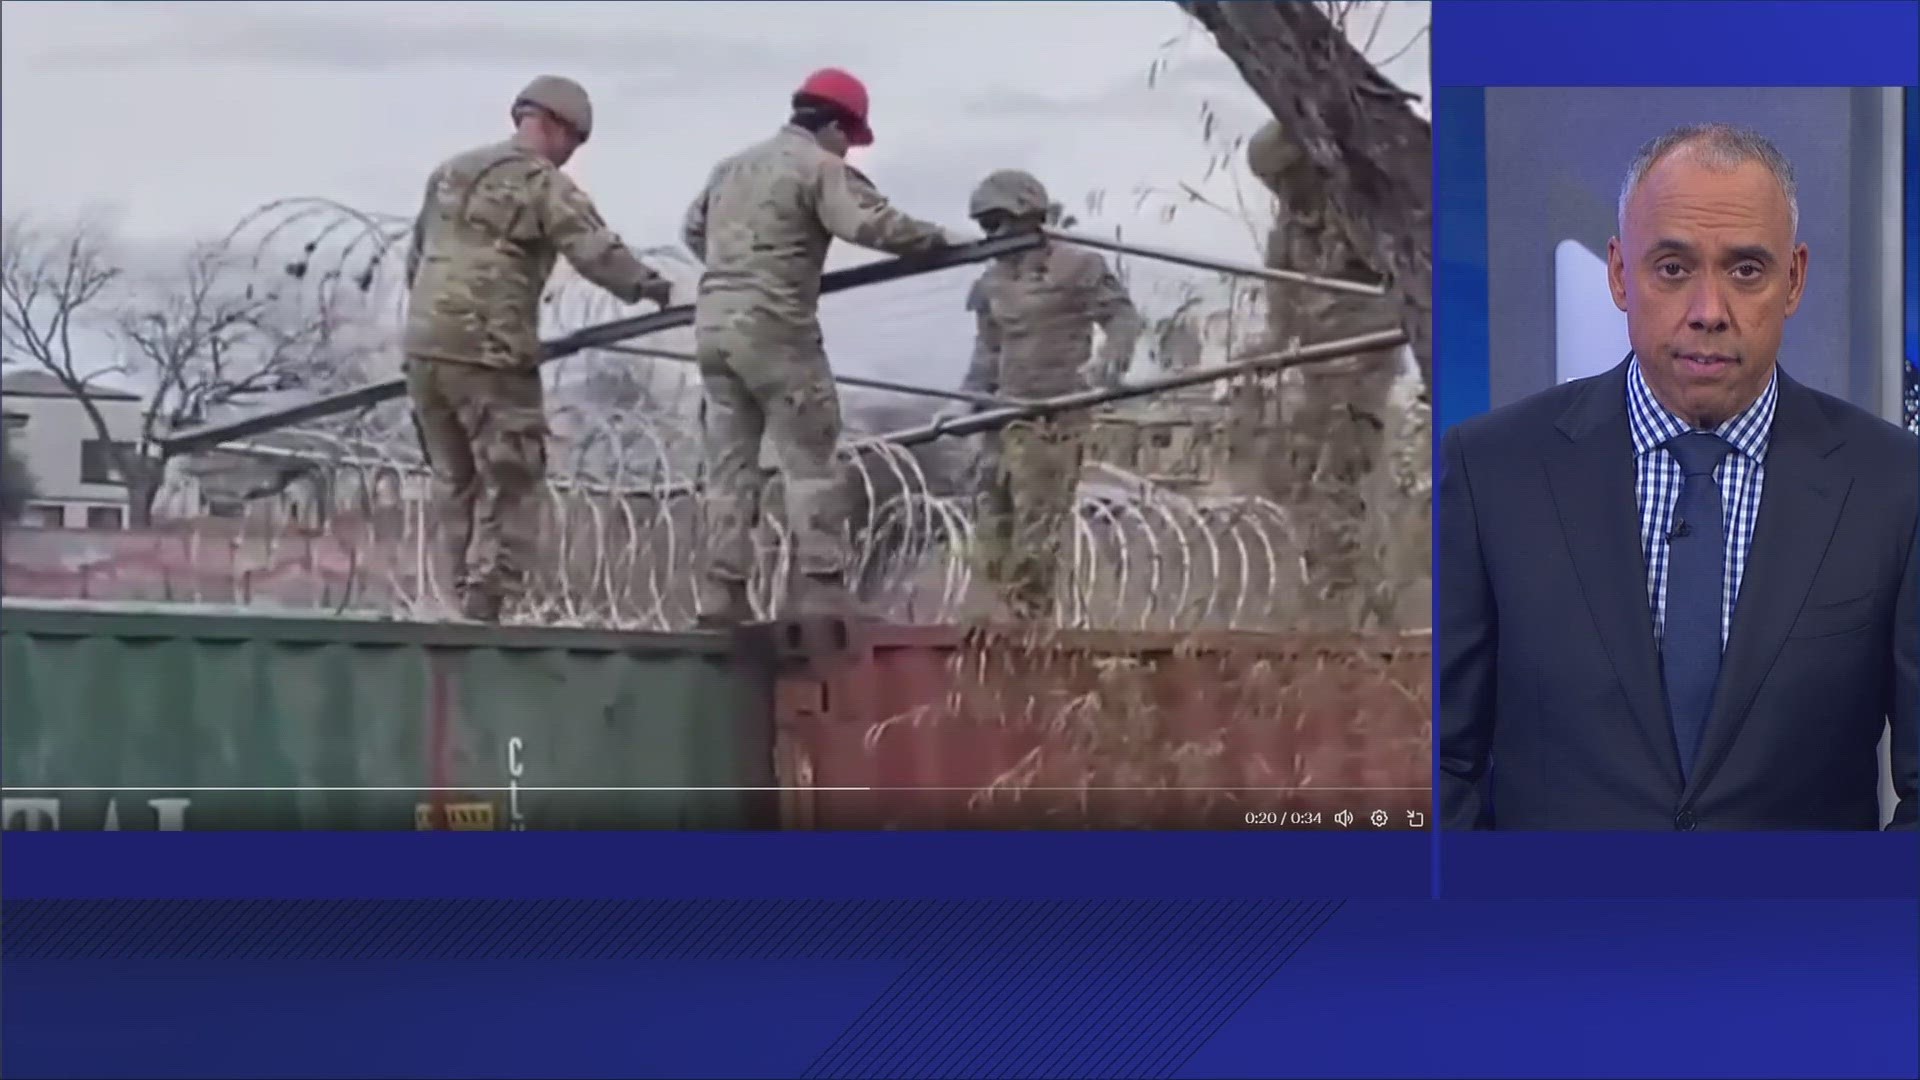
(1713, 146)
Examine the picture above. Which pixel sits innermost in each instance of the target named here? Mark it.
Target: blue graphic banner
(1246, 954)
(1718, 866)
(1027, 988)
(756, 865)
(1633, 43)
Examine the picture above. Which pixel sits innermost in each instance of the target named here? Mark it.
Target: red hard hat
(835, 85)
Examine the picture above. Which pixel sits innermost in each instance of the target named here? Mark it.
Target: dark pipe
(208, 436)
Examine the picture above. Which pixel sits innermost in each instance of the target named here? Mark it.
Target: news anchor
(1681, 595)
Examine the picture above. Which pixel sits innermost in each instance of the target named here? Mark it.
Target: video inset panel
(1676, 578)
(921, 451)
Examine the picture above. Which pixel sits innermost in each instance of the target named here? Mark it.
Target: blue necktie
(1696, 588)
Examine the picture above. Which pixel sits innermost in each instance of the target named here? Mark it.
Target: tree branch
(1351, 138)
(194, 339)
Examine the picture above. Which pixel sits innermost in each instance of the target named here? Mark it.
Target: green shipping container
(177, 717)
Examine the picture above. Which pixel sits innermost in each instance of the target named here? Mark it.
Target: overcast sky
(179, 118)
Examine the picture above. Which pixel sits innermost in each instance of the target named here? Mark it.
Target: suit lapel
(1591, 475)
(1799, 506)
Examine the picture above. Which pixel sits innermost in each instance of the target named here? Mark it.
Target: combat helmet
(1011, 192)
(563, 98)
(1270, 154)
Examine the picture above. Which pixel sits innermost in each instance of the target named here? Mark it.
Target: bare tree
(1346, 161)
(206, 339)
(1349, 133)
(194, 339)
(54, 286)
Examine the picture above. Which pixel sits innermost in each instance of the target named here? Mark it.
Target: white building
(75, 483)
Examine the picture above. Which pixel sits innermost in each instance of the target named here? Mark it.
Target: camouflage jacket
(764, 220)
(490, 227)
(1315, 243)
(1034, 315)
(1311, 240)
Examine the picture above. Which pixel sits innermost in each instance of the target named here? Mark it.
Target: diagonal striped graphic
(1117, 988)
(1013, 988)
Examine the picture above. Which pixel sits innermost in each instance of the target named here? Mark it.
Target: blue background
(1015, 955)
(1549, 181)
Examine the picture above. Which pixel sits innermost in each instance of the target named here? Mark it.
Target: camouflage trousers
(1334, 440)
(776, 387)
(1331, 437)
(484, 432)
(1027, 517)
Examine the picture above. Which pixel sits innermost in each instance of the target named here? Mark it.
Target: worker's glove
(659, 290)
(958, 238)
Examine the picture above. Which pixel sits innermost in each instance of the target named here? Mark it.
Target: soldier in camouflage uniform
(1034, 315)
(1333, 423)
(490, 226)
(762, 225)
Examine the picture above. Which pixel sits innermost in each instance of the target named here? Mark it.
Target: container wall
(153, 719)
(348, 723)
(1106, 730)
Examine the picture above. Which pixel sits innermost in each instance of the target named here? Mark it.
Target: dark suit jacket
(1552, 713)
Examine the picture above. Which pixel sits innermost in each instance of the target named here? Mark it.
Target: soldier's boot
(827, 596)
(722, 603)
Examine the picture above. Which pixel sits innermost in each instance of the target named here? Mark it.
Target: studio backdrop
(1555, 160)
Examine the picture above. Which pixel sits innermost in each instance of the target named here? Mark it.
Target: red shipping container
(897, 727)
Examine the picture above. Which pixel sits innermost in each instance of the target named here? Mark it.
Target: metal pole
(1376, 341)
(1203, 262)
(986, 401)
(592, 337)
(611, 333)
